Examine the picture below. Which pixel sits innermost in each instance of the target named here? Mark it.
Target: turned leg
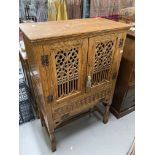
(106, 114)
(51, 129)
(53, 141)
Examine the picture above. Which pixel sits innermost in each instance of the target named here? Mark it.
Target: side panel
(39, 80)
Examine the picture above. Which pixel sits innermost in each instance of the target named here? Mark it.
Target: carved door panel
(100, 62)
(66, 72)
(104, 56)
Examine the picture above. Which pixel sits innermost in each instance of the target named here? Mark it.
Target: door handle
(88, 81)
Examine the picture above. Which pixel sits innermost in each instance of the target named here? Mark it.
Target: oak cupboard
(73, 65)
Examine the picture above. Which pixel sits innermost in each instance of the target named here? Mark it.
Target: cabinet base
(118, 114)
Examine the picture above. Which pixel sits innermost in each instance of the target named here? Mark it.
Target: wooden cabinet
(73, 65)
(124, 95)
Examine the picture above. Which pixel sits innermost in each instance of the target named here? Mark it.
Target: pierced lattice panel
(67, 71)
(103, 59)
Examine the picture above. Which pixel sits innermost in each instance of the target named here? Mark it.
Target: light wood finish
(73, 65)
(66, 28)
(124, 95)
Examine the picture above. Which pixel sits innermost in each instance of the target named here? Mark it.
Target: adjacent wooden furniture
(74, 65)
(124, 95)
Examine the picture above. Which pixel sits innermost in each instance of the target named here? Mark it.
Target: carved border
(81, 104)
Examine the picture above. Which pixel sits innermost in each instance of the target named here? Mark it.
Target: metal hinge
(121, 42)
(44, 60)
(49, 98)
(114, 76)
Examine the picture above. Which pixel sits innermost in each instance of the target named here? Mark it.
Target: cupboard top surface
(56, 29)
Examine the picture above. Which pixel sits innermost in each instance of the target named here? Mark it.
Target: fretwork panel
(67, 71)
(103, 61)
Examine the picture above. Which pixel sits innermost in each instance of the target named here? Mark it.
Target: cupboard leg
(42, 120)
(53, 141)
(37, 112)
(51, 130)
(106, 114)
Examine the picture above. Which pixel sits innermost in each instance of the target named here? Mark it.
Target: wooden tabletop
(54, 29)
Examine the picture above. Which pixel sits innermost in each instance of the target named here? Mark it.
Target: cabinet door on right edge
(104, 57)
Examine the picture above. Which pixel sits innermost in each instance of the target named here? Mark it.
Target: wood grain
(77, 52)
(56, 29)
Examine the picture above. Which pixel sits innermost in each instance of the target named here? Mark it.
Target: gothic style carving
(67, 70)
(83, 103)
(103, 60)
(65, 45)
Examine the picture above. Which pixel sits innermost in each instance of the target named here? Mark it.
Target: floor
(85, 136)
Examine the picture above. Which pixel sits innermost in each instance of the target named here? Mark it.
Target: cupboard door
(66, 72)
(102, 58)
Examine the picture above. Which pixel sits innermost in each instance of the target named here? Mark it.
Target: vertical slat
(67, 87)
(98, 76)
(77, 84)
(58, 90)
(74, 85)
(93, 79)
(71, 86)
(107, 73)
(61, 90)
(101, 75)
